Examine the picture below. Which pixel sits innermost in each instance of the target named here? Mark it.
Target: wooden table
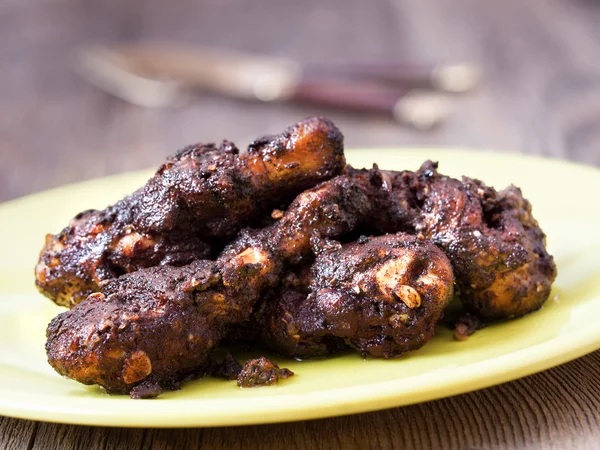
(541, 95)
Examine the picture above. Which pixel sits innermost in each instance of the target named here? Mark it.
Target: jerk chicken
(200, 198)
(382, 296)
(152, 329)
(496, 247)
(149, 306)
(118, 338)
(494, 244)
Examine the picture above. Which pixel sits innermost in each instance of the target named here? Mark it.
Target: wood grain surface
(541, 95)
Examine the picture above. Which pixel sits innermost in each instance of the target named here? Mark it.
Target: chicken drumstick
(202, 195)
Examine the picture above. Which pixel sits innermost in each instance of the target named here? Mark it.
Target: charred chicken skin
(496, 246)
(491, 238)
(202, 195)
(151, 329)
(143, 329)
(382, 296)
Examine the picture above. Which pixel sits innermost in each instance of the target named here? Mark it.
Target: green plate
(563, 195)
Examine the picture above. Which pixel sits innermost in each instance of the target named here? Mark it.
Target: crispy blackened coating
(135, 336)
(356, 201)
(382, 296)
(261, 372)
(294, 282)
(157, 326)
(200, 197)
(496, 246)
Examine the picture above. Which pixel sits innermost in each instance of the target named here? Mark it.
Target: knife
(384, 88)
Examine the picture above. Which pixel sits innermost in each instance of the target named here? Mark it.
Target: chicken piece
(382, 296)
(151, 329)
(261, 372)
(157, 326)
(197, 201)
(496, 246)
(346, 205)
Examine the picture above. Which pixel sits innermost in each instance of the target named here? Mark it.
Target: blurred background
(539, 90)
